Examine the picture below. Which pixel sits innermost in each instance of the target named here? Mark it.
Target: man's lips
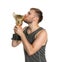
(24, 17)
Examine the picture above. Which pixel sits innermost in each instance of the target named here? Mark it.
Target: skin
(40, 38)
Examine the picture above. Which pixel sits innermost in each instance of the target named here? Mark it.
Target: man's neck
(33, 27)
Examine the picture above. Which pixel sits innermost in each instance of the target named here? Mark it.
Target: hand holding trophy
(19, 20)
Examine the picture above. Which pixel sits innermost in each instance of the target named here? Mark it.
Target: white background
(51, 22)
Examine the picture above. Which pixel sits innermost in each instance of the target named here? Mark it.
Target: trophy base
(16, 37)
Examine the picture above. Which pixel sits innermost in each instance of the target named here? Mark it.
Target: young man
(33, 37)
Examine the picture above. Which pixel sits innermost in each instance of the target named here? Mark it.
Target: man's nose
(25, 16)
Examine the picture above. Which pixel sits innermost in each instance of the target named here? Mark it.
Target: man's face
(30, 16)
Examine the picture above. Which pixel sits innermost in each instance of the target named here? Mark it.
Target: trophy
(19, 20)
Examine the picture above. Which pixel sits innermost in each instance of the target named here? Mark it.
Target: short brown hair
(39, 14)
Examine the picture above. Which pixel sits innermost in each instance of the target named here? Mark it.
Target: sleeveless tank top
(39, 56)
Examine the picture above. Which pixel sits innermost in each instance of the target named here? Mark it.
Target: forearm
(15, 43)
(28, 47)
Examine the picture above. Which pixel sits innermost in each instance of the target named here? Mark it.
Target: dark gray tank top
(39, 56)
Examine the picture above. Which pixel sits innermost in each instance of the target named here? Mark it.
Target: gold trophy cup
(19, 20)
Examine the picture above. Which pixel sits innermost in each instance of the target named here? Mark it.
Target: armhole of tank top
(38, 32)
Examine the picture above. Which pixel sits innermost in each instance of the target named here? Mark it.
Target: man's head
(34, 15)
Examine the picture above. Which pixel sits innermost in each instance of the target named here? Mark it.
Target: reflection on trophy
(19, 20)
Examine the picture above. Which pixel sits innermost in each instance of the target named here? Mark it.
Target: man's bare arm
(37, 44)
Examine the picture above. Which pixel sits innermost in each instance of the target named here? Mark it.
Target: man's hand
(18, 30)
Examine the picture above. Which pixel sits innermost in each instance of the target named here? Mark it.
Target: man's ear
(36, 18)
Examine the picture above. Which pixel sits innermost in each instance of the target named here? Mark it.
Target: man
(33, 37)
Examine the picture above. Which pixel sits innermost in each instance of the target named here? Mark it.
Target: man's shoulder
(41, 31)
